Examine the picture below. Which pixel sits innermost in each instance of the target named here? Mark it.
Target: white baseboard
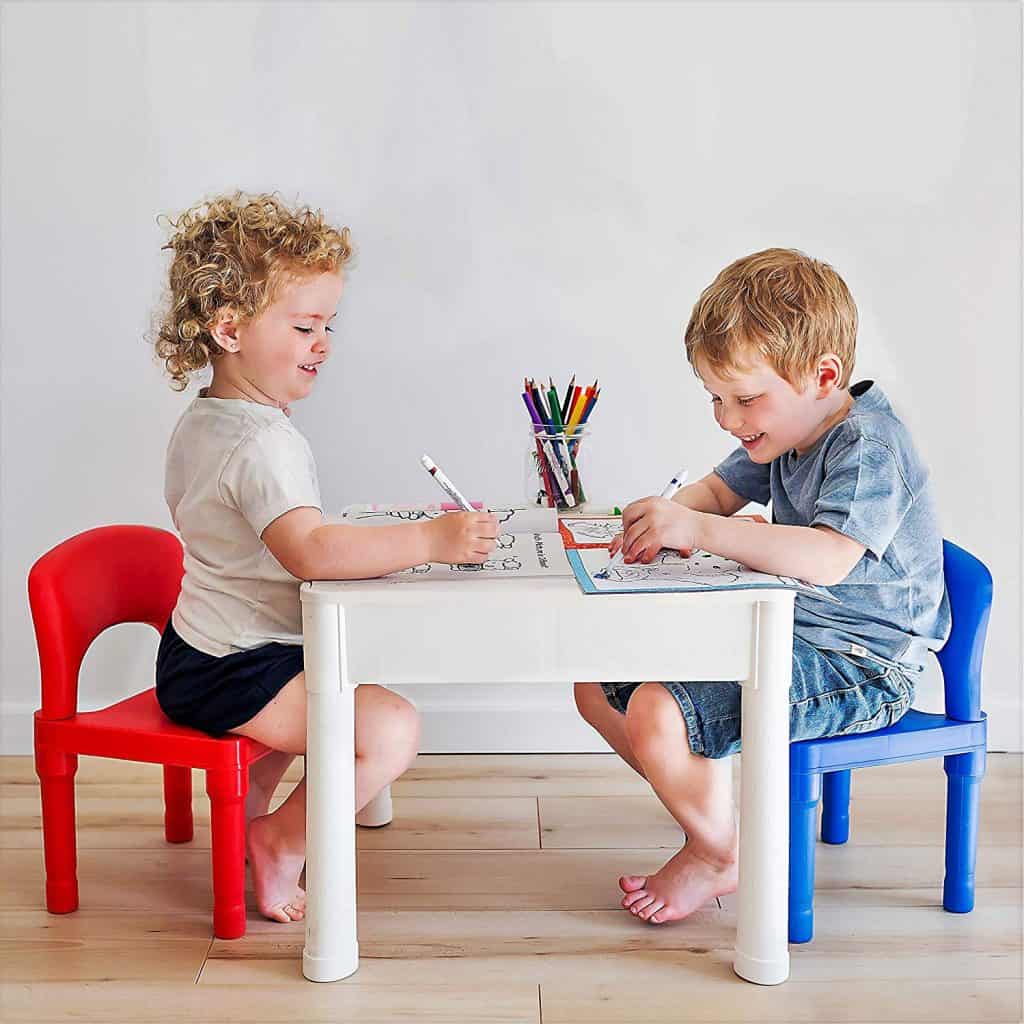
(462, 726)
(16, 727)
(448, 727)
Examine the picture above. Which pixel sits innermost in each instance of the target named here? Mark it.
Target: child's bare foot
(275, 872)
(684, 883)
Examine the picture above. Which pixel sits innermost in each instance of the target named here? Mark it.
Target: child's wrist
(425, 541)
(703, 528)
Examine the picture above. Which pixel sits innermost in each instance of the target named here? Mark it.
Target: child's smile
(767, 414)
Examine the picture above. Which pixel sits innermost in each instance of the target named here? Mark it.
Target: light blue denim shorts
(833, 693)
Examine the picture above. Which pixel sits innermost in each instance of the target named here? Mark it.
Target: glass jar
(556, 466)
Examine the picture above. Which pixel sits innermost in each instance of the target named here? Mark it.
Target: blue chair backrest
(969, 586)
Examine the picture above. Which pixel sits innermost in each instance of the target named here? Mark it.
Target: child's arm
(816, 554)
(311, 549)
(710, 494)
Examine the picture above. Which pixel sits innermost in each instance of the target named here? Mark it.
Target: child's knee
(387, 728)
(652, 717)
(404, 734)
(590, 700)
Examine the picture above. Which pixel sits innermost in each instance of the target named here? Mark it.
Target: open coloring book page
(670, 571)
(511, 520)
(518, 555)
(529, 544)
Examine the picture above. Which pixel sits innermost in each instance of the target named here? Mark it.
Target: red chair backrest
(86, 584)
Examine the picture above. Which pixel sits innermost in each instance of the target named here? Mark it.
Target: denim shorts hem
(832, 694)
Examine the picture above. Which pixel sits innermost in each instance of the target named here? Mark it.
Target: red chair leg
(56, 771)
(227, 789)
(177, 804)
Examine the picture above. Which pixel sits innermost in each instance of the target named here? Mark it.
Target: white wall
(533, 189)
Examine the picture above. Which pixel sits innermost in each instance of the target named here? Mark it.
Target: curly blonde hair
(781, 304)
(236, 251)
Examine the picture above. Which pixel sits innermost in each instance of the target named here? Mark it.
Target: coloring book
(529, 543)
(672, 572)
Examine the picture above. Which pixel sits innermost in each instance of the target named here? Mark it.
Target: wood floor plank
(284, 999)
(132, 820)
(867, 932)
(179, 878)
(456, 823)
(595, 822)
(716, 995)
(106, 960)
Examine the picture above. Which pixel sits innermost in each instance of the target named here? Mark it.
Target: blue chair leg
(963, 793)
(835, 808)
(804, 797)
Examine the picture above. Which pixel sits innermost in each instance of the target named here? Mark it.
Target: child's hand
(460, 537)
(651, 524)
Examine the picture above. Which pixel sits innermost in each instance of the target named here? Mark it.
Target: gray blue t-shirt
(864, 479)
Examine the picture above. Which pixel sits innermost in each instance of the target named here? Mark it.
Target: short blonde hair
(780, 304)
(237, 251)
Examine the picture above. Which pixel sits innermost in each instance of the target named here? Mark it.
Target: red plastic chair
(98, 579)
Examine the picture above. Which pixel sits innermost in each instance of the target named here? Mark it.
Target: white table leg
(762, 951)
(378, 811)
(332, 948)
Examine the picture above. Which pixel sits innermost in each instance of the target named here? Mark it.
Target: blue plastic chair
(819, 770)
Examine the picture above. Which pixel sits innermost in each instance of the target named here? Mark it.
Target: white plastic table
(541, 631)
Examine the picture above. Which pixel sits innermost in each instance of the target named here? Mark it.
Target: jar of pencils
(556, 467)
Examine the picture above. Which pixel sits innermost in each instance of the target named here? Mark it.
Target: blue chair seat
(916, 735)
(820, 770)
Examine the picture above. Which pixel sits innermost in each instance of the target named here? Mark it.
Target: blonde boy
(773, 341)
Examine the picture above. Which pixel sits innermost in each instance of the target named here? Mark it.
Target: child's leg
(698, 793)
(594, 707)
(264, 777)
(386, 741)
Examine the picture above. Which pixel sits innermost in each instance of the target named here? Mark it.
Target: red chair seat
(135, 729)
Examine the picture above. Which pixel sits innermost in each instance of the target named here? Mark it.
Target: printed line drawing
(594, 530)
(700, 569)
(491, 565)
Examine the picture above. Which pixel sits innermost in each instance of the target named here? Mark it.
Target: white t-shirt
(233, 467)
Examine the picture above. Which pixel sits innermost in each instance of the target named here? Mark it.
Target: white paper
(670, 571)
(517, 556)
(510, 520)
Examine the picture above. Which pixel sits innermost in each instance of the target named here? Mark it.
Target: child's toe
(650, 911)
(641, 905)
(633, 897)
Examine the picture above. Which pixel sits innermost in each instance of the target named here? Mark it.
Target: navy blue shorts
(832, 694)
(219, 694)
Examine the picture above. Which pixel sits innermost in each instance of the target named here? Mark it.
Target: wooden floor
(492, 897)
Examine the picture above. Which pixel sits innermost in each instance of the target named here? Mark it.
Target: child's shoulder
(872, 418)
(231, 425)
(873, 429)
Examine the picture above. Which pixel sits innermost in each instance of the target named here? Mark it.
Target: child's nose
(730, 421)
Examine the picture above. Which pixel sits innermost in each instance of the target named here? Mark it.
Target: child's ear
(225, 330)
(830, 373)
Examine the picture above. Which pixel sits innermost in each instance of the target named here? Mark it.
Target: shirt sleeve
(270, 472)
(748, 479)
(863, 494)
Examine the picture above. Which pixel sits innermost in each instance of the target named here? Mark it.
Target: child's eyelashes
(715, 400)
(309, 330)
